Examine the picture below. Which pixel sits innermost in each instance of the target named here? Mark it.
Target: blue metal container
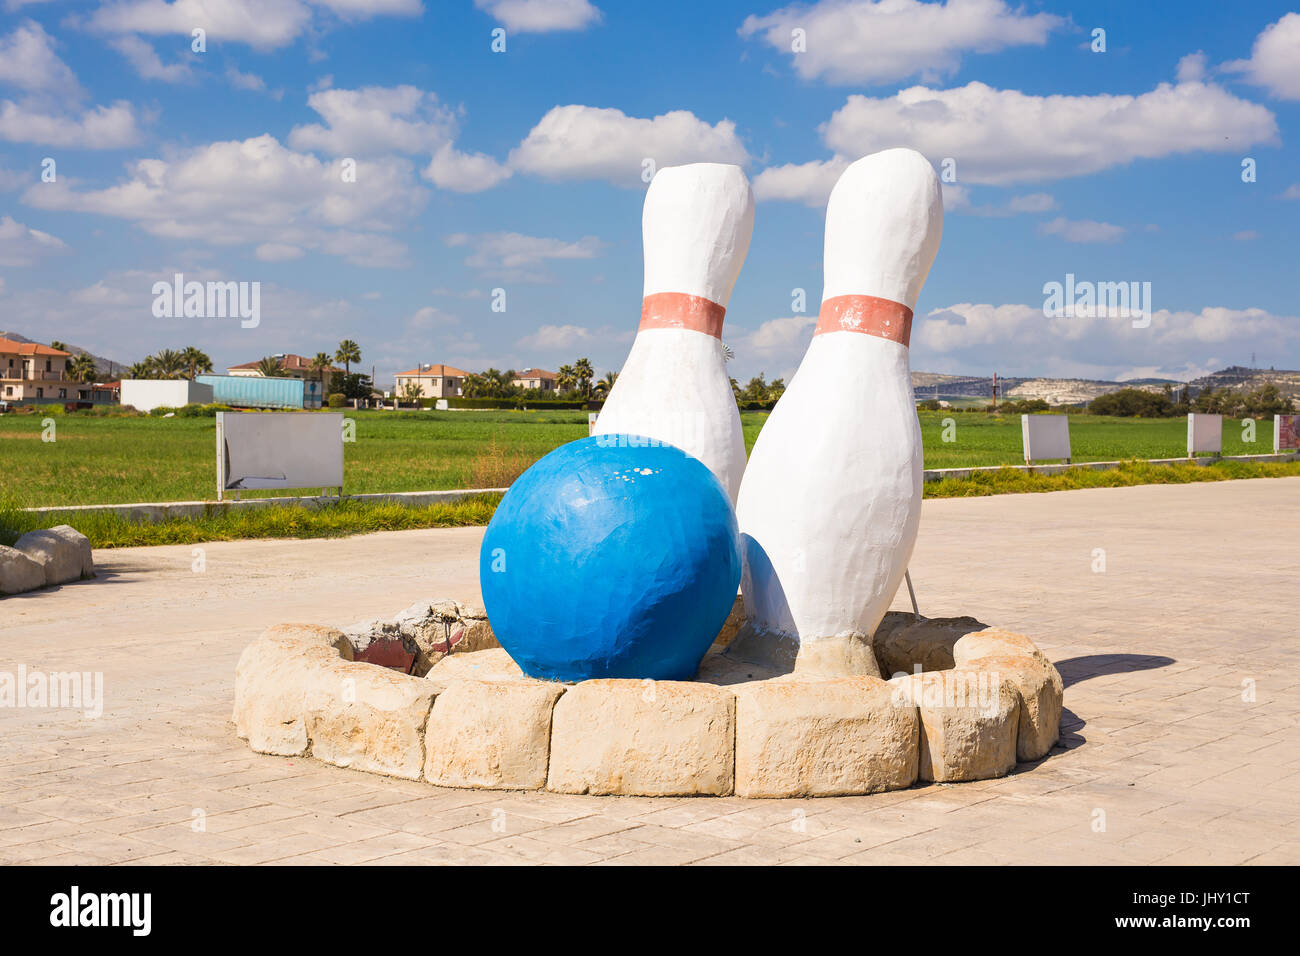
(241, 391)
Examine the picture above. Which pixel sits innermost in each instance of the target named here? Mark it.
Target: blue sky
(521, 170)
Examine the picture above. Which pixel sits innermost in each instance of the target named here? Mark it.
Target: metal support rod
(911, 593)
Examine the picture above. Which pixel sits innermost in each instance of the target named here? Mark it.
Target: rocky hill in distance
(1076, 391)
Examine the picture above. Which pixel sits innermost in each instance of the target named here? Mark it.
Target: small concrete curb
(939, 474)
(152, 512)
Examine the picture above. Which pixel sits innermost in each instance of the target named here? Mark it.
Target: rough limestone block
(492, 664)
(81, 543)
(969, 721)
(843, 735)
(994, 642)
(270, 683)
(19, 572)
(491, 734)
(435, 630)
(903, 642)
(58, 555)
(643, 738)
(1041, 697)
(735, 620)
(310, 634)
(368, 718)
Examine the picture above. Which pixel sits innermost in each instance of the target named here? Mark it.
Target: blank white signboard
(279, 450)
(1045, 437)
(1204, 433)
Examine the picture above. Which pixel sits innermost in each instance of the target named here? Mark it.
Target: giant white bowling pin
(674, 386)
(831, 500)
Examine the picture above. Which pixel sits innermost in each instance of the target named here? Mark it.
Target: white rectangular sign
(1286, 433)
(1045, 437)
(279, 450)
(1204, 433)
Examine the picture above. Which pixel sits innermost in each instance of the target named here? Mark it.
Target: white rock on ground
(82, 544)
(19, 572)
(62, 551)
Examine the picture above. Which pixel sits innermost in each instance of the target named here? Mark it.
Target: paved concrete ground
(1165, 758)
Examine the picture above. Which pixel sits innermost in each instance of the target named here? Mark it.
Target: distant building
(290, 365)
(435, 381)
(30, 371)
(535, 379)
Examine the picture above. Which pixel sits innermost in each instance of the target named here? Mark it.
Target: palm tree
(321, 364)
(565, 378)
(82, 368)
(269, 367)
(606, 384)
(168, 364)
(196, 361)
(348, 352)
(583, 371)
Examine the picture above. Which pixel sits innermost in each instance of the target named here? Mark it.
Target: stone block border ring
(966, 702)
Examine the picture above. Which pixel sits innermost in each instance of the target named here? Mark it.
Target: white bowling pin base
(844, 655)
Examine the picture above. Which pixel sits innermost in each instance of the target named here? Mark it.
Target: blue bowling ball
(611, 557)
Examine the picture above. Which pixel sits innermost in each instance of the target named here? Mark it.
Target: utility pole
(995, 391)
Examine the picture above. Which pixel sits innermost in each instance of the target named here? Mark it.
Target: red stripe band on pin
(677, 310)
(868, 314)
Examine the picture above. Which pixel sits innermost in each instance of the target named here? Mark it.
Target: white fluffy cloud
(99, 127)
(512, 255)
(375, 119)
(430, 317)
(464, 172)
(1082, 230)
(882, 41)
(783, 339)
(258, 192)
(145, 61)
(587, 142)
(541, 16)
(1275, 59)
(278, 252)
(48, 112)
(365, 9)
(403, 119)
(1019, 340)
(555, 338)
(247, 81)
(1003, 137)
(112, 318)
(809, 183)
(262, 24)
(28, 61)
(22, 245)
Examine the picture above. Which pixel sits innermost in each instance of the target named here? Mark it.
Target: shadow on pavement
(1076, 669)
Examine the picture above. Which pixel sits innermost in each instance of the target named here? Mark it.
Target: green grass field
(119, 460)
